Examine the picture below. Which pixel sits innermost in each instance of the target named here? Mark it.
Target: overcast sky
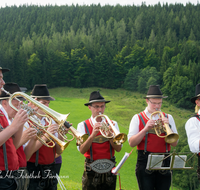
(3, 3)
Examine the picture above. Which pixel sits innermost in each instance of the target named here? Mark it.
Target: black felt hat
(11, 88)
(95, 96)
(4, 70)
(197, 93)
(154, 92)
(41, 91)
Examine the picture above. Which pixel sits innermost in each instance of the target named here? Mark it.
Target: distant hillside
(128, 47)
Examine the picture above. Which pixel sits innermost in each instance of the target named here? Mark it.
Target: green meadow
(124, 104)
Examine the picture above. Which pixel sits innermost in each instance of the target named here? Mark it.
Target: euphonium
(170, 136)
(108, 130)
(60, 119)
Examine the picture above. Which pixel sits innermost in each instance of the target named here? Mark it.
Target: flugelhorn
(60, 119)
(170, 136)
(41, 133)
(108, 130)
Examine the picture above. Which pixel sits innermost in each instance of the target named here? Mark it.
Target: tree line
(128, 47)
(107, 46)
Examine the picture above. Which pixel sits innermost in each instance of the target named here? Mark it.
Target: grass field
(123, 106)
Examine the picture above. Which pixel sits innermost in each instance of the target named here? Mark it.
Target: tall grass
(123, 106)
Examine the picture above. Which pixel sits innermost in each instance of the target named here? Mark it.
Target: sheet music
(154, 161)
(177, 162)
(116, 169)
(180, 161)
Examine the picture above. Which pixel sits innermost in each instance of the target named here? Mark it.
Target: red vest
(46, 155)
(154, 143)
(21, 157)
(99, 150)
(12, 157)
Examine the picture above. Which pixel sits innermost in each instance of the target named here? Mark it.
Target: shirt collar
(155, 117)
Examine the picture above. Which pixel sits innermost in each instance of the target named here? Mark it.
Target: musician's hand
(53, 128)
(165, 120)
(109, 132)
(20, 118)
(150, 124)
(96, 128)
(29, 133)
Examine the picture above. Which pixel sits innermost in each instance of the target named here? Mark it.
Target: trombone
(170, 136)
(108, 130)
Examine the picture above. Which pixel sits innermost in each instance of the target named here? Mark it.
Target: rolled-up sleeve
(172, 123)
(134, 126)
(192, 128)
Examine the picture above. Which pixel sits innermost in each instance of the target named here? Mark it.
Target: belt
(100, 166)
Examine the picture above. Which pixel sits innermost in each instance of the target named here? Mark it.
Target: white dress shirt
(192, 128)
(135, 122)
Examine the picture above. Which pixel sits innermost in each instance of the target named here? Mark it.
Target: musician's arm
(135, 136)
(86, 145)
(192, 128)
(32, 146)
(6, 133)
(173, 128)
(17, 138)
(18, 122)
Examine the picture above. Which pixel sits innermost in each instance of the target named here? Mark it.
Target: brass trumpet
(60, 119)
(170, 136)
(108, 130)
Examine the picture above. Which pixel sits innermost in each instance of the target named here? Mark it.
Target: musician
(10, 135)
(192, 128)
(142, 135)
(97, 149)
(40, 157)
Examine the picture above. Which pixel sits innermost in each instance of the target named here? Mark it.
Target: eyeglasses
(97, 107)
(154, 103)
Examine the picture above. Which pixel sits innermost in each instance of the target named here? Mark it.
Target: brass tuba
(108, 130)
(170, 136)
(60, 119)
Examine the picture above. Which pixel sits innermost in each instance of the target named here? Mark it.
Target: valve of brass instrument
(170, 136)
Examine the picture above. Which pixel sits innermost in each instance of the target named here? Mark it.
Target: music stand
(178, 161)
(116, 169)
